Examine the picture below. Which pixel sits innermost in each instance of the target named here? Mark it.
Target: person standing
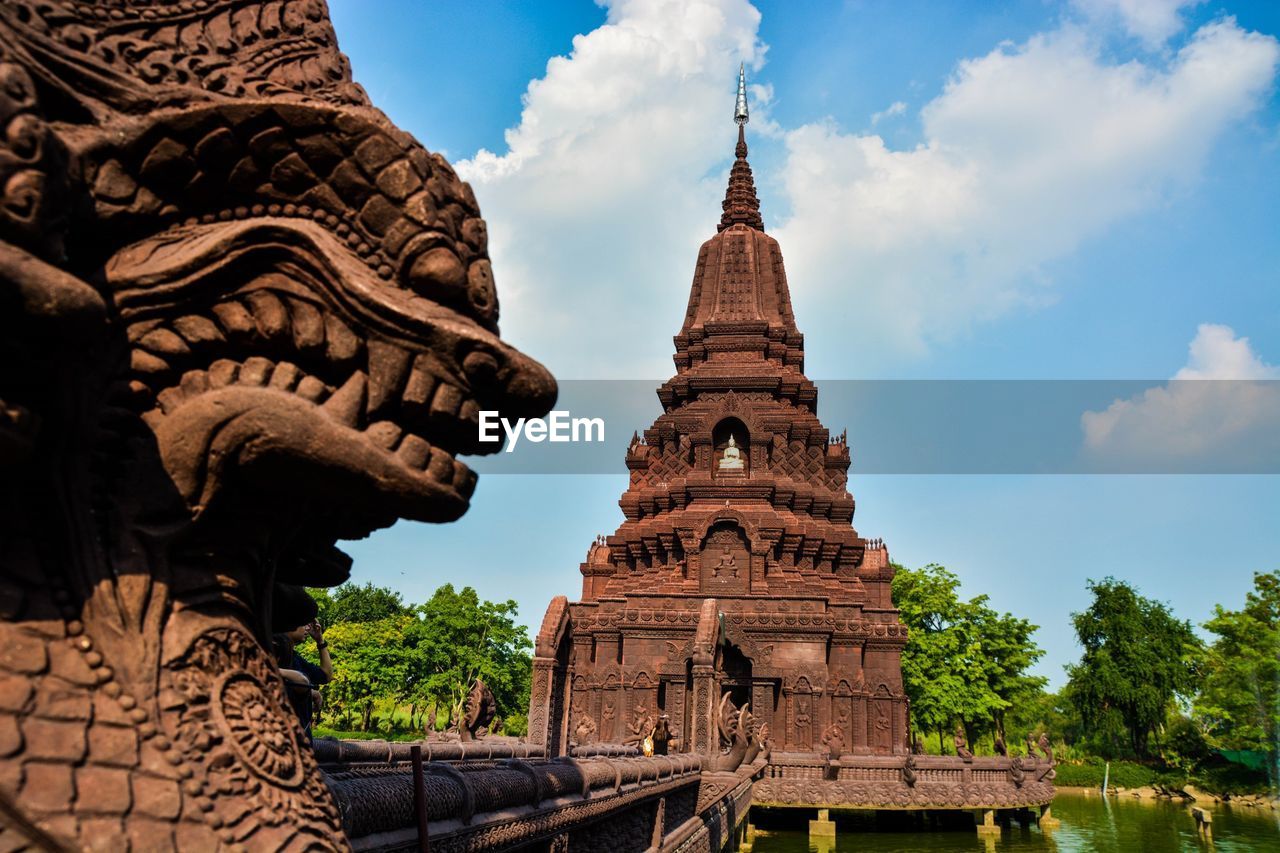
(301, 676)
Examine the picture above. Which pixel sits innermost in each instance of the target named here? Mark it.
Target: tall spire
(740, 202)
(740, 114)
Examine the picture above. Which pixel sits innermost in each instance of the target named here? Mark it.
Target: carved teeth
(269, 314)
(447, 399)
(235, 319)
(464, 479)
(222, 373)
(421, 383)
(441, 466)
(256, 371)
(198, 330)
(286, 376)
(414, 452)
(385, 434)
(342, 344)
(388, 369)
(138, 331)
(347, 403)
(170, 399)
(194, 382)
(311, 389)
(147, 364)
(164, 342)
(308, 325)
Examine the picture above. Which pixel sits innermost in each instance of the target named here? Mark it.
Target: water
(1088, 823)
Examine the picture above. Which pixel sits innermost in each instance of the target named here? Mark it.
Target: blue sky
(997, 191)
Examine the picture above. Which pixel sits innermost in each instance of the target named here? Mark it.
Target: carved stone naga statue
(242, 316)
(738, 736)
(478, 712)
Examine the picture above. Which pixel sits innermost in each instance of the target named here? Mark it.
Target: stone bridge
(497, 794)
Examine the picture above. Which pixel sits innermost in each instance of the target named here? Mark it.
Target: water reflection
(1088, 823)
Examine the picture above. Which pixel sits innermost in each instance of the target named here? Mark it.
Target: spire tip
(740, 114)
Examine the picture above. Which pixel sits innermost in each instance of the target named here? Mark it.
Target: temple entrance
(735, 674)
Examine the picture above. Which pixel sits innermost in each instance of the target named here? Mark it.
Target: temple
(739, 494)
(736, 593)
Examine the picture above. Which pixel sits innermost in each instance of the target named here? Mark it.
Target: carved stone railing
(907, 782)
(480, 804)
(332, 751)
(486, 796)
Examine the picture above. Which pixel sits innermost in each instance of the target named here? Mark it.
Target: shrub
(1124, 774)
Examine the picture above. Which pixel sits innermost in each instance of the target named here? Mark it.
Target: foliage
(388, 655)
(963, 660)
(1138, 660)
(1223, 777)
(1238, 704)
(1089, 774)
(356, 734)
(371, 660)
(1185, 744)
(353, 603)
(462, 638)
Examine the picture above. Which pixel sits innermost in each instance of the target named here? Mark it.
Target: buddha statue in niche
(732, 459)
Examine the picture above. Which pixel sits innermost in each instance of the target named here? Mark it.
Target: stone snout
(559, 426)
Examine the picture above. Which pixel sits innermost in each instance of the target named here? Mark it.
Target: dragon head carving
(244, 316)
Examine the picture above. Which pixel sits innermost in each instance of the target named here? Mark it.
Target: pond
(1088, 823)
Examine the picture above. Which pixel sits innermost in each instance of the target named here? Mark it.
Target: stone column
(540, 701)
(762, 705)
(704, 730)
(675, 711)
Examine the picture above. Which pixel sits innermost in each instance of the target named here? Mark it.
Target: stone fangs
(345, 406)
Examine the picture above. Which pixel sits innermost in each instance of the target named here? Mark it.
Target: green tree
(372, 661)
(355, 603)
(932, 662)
(1006, 651)
(1138, 660)
(963, 660)
(1239, 704)
(1051, 712)
(459, 638)
(388, 653)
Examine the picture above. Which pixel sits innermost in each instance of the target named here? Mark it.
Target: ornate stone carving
(962, 745)
(640, 725)
(478, 712)
(1046, 749)
(584, 730)
(243, 316)
(922, 795)
(833, 740)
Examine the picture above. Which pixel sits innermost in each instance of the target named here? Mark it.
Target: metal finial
(740, 108)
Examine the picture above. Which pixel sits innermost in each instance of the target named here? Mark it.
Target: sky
(1017, 190)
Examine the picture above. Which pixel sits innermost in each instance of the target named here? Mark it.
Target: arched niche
(731, 448)
(734, 669)
(725, 560)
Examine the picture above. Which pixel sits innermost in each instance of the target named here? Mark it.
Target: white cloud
(1219, 413)
(615, 174)
(1152, 21)
(598, 205)
(1216, 353)
(897, 108)
(1027, 152)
